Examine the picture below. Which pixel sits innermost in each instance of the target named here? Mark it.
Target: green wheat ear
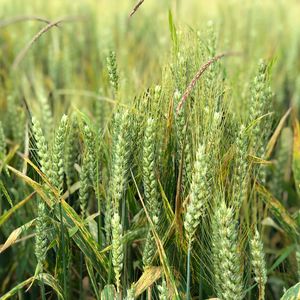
(84, 186)
(47, 118)
(16, 119)
(240, 178)
(163, 290)
(41, 233)
(119, 167)
(150, 187)
(260, 101)
(130, 293)
(91, 154)
(199, 192)
(71, 151)
(226, 257)
(57, 170)
(41, 224)
(184, 143)
(149, 250)
(149, 172)
(113, 71)
(258, 263)
(120, 158)
(117, 183)
(117, 248)
(42, 147)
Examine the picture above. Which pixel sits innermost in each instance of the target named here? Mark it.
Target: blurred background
(72, 54)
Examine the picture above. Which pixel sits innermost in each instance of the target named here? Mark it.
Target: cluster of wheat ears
(186, 189)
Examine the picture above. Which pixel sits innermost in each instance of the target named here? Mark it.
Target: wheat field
(150, 149)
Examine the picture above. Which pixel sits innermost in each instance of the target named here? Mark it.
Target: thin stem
(125, 249)
(201, 274)
(80, 277)
(149, 293)
(98, 197)
(110, 269)
(188, 272)
(261, 289)
(43, 289)
(63, 249)
(99, 222)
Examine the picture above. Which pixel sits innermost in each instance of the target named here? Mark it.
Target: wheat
(163, 291)
(113, 71)
(41, 225)
(117, 248)
(57, 168)
(150, 187)
(84, 185)
(258, 263)
(226, 258)
(170, 156)
(240, 179)
(199, 193)
(71, 150)
(42, 147)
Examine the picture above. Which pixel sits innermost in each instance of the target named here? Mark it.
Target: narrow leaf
(292, 293)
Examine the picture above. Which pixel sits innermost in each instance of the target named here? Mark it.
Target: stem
(201, 274)
(63, 249)
(261, 290)
(98, 204)
(99, 221)
(109, 269)
(99, 225)
(80, 277)
(188, 272)
(43, 289)
(125, 249)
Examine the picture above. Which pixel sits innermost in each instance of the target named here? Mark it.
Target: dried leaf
(279, 211)
(274, 138)
(147, 279)
(15, 235)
